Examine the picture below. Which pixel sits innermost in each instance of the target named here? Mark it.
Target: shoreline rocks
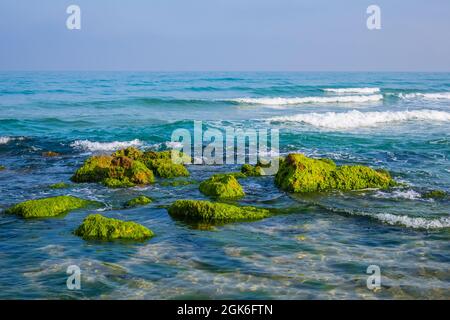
(207, 211)
(222, 186)
(299, 174)
(98, 227)
(138, 201)
(48, 207)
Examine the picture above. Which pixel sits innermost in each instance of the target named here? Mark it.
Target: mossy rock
(59, 185)
(435, 194)
(206, 211)
(162, 165)
(2, 168)
(251, 171)
(98, 227)
(115, 171)
(130, 152)
(138, 201)
(222, 186)
(299, 173)
(48, 207)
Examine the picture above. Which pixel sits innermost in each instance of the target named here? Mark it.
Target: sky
(225, 35)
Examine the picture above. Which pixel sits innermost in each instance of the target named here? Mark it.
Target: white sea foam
(356, 119)
(399, 194)
(353, 90)
(413, 222)
(5, 140)
(301, 100)
(426, 96)
(87, 145)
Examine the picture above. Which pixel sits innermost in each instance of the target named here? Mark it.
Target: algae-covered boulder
(59, 185)
(222, 186)
(206, 211)
(2, 168)
(114, 171)
(50, 154)
(299, 173)
(162, 165)
(98, 227)
(48, 207)
(435, 194)
(138, 201)
(251, 171)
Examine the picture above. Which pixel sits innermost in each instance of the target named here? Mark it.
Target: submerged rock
(50, 154)
(162, 165)
(206, 211)
(222, 186)
(138, 201)
(435, 194)
(251, 171)
(59, 185)
(48, 207)
(2, 168)
(98, 227)
(299, 173)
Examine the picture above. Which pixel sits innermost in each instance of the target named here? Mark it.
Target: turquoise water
(319, 248)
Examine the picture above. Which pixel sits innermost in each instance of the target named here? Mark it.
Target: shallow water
(318, 247)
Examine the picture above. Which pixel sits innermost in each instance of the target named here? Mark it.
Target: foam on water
(301, 100)
(426, 96)
(356, 119)
(6, 139)
(353, 90)
(93, 146)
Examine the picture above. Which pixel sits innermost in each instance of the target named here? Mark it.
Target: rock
(222, 186)
(299, 173)
(162, 165)
(434, 194)
(139, 201)
(251, 171)
(48, 207)
(59, 185)
(206, 211)
(98, 227)
(114, 171)
(2, 168)
(50, 154)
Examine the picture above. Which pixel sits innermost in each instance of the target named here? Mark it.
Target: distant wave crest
(356, 119)
(353, 90)
(301, 100)
(426, 96)
(6, 139)
(93, 146)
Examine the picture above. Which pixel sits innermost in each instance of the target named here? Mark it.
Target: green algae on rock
(299, 173)
(251, 171)
(222, 186)
(162, 165)
(206, 211)
(59, 185)
(2, 168)
(114, 171)
(138, 201)
(98, 227)
(50, 154)
(48, 207)
(435, 194)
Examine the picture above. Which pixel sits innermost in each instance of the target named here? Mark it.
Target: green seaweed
(162, 165)
(2, 168)
(434, 194)
(299, 173)
(48, 207)
(98, 227)
(222, 186)
(206, 211)
(59, 185)
(251, 171)
(138, 201)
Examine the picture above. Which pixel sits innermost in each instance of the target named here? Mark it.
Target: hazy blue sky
(225, 35)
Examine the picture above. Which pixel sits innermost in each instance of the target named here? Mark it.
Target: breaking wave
(301, 100)
(426, 96)
(356, 119)
(93, 146)
(5, 140)
(353, 90)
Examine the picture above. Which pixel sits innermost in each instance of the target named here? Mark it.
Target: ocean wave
(352, 90)
(301, 100)
(356, 119)
(412, 222)
(93, 146)
(399, 194)
(6, 139)
(426, 96)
